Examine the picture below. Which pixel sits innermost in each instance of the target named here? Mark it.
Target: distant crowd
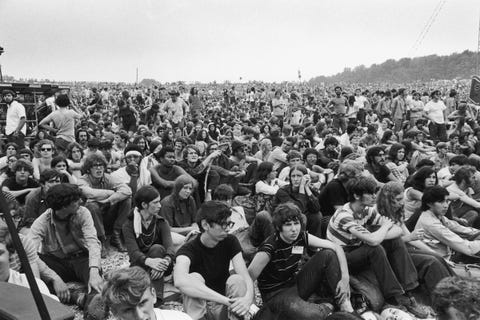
(312, 193)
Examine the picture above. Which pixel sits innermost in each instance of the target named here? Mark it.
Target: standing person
(148, 239)
(130, 295)
(63, 121)
(176, 109)
(202, 269)
(360, 105)
(435, 110)
(285, 287)
(196, 104)
(349, 227)
(340, 105)
(15, 128)
(399, 109)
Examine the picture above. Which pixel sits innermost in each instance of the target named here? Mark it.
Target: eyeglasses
(98, 165)
(46, 149)
(226, 225)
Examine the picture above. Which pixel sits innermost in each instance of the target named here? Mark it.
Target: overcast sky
(206, 40)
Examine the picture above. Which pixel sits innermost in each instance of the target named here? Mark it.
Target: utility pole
(1, 75)
(136, 78)
(478, 46)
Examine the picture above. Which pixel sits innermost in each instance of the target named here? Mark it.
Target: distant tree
(432, 67)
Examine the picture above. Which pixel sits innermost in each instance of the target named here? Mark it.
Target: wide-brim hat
(173, 93)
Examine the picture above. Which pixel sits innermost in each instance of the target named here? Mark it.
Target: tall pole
(136, 78)
(1, 75)
(478, 46)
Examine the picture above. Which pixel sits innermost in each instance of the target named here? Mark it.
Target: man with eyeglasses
(35, 203)
(108, 199)
(367, 237)
(202, 268)
(21, 183)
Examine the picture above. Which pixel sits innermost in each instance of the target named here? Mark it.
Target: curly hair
(70, 148)
(62, 195)
(40, 143)
(385, 196)
(459, 292)
(91, 160)
(21, 163)
(192, 147)
(125, 287)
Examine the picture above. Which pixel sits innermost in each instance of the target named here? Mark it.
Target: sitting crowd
(359, 190)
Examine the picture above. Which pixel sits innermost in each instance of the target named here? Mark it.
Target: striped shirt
(284, 261)
(344, 219)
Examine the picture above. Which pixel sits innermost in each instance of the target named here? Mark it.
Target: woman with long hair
(200, 170)
(167, 138)
(300, 193)
(430, 266)
(148, 238)
(396, 162)
(45, 149)
(265, 149)
(141, 141)
(75, 159)
(425, 177)
(179, 209)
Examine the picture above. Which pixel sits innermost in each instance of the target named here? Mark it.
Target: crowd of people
(299, 189)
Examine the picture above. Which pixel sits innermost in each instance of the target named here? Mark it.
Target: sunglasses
(46, 149)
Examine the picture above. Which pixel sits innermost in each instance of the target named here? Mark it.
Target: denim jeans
(391, 263)
(320, 275)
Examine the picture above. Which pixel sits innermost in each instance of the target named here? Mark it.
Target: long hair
(418, 179)
(179, 183)
(385, 196)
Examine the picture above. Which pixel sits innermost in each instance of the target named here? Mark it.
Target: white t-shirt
(435, 111)
(64, 120)
(15, 112)
(21, 280)
(170, 315)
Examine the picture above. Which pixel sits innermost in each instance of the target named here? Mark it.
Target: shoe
(116, 241)
(104, 251)
(412, 306)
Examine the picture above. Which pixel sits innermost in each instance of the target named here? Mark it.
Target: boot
(116, 241)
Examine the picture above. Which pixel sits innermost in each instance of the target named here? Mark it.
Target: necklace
(147, 239)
